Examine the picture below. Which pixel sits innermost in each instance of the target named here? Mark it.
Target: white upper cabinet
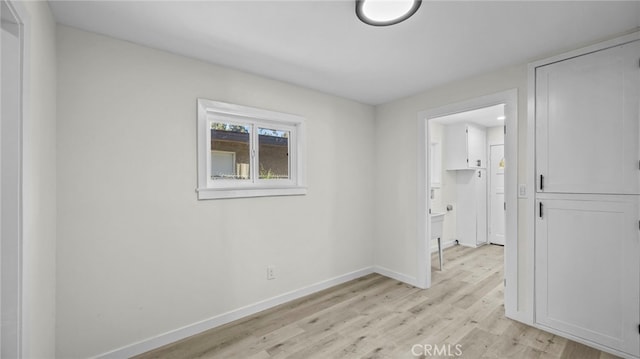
(466, 147)
(587, 114)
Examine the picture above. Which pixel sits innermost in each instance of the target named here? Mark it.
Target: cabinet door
(476, 147)
(456, 153)
(587, 113)
(587, 269)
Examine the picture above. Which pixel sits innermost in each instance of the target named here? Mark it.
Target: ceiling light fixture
(501, 118)
(385, 12)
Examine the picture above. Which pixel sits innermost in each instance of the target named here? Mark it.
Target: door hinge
(505, 129)
(639, 328)
(639, 225)
(505, 205)
(541, 182)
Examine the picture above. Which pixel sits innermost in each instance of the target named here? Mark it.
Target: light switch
(522, 190)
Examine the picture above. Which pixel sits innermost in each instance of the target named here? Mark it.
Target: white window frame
(214, 111)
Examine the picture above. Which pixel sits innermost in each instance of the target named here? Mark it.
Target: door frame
(13, 281)
(489, 190)
(510, 99)
(529, 265)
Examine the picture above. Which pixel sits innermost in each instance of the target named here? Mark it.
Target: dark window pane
(273, 153)
(230, 151)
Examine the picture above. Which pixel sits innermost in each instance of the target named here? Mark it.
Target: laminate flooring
(461, 315)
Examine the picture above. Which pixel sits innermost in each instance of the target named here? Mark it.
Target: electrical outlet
(271, 272)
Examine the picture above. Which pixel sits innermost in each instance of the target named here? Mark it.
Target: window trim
(209, 111)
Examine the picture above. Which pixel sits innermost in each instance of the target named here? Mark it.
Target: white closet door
(587, 111)
(587, 268)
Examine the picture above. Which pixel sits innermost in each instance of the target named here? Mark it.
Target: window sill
(221, 193)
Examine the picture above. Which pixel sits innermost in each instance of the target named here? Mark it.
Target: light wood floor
(378, 317)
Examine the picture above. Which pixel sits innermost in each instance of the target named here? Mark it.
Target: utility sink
(436, 225)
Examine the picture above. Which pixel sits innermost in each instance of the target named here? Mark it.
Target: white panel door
(587, 268)
(497, 222)
(587, 111)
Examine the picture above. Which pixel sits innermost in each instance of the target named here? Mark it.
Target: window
(248, 152)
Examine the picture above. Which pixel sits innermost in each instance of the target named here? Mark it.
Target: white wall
(138, 255)
(396, 147)
(39, 185)
(495, 136)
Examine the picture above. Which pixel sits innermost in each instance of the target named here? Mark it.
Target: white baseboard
(199, 327)
(585, 342)
(395, 275)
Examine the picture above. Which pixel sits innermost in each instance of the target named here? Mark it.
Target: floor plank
(375, 317)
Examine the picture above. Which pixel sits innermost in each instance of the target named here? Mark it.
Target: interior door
(497, 222)
(587, 129)
(587, 268)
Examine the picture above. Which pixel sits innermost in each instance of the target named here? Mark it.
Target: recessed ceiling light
(501, 118)
(385, 12)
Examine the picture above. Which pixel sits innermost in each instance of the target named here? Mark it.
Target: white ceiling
(487, 117)
(322, 45)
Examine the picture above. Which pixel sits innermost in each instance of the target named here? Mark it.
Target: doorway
(11, 106)
(459, 174)
(475, 168)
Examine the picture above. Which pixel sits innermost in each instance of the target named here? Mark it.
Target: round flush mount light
(385, 12)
